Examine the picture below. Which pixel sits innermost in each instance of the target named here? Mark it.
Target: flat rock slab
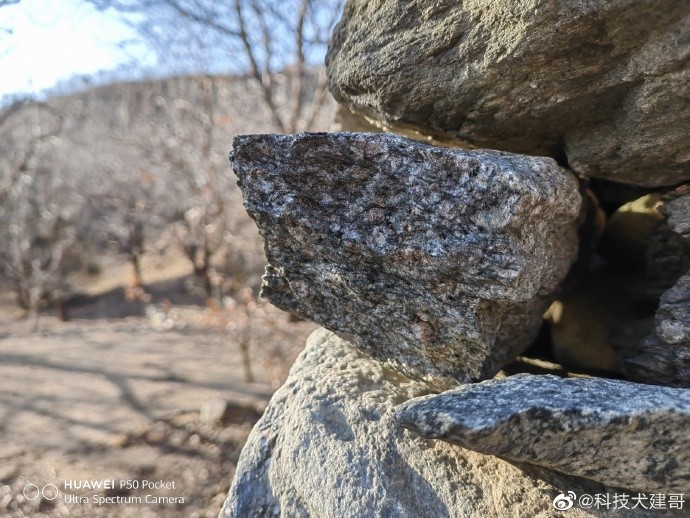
(616, 432)
(328, 447)
(438, 261)
(603, 83)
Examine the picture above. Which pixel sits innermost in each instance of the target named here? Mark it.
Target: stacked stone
(438, 261)
(430, 267)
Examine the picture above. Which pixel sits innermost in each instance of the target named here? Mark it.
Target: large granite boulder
(616, 432)
(328, 446)
(604, 84)
(438, 261)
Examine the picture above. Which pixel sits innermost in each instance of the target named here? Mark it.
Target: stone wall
(506, 299)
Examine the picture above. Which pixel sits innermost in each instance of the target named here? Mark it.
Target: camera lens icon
(48, 492)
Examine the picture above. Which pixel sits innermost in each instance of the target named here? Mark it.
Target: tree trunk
(246, 360)
(202, 273)
(137, 279)
(62, 310)
(206, 279)
(32, 317)
(22, 296)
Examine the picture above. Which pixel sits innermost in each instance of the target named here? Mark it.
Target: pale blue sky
(54, 40)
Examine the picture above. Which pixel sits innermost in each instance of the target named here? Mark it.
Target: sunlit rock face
(604, 84)
(437, 261)
(616, 432)
(328, 446)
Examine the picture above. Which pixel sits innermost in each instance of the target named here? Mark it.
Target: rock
(613, 195)
(668, 254)
(345, 120)
(583, 321)
(348, 121)
(219, 410)
(621, 433)
(604, 84)
(628, 233)
(663, 357)
(438, 261)
(677, 211)
(328, 446)
(213, 410)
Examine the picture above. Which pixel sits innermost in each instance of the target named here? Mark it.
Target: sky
(54, 40)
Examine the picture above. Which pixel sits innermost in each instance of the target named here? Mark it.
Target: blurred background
(132, 342)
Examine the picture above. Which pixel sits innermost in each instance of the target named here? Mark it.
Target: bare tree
(40, 210)
(182, 152)
(201, 222)
(6, 31)
(124, 213)
(262, 333)
(22, 139)
(279, 44)
(278, 47)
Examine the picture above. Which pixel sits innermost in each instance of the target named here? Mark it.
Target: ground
(114, 397)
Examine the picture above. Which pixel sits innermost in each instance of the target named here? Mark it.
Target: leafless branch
(265, 39)
(264, 80)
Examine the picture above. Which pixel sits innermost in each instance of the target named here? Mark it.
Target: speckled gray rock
(668, 253)
(438, 261)
(677, 210)
(618, 432)
(604, 82)
(328, 447)
(663, 357)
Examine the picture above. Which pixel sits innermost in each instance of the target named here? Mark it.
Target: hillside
(130, 169)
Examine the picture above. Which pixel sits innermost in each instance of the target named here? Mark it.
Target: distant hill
(135, 162)
(99, 118)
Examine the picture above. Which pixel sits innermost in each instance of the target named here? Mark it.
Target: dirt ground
(113, 398)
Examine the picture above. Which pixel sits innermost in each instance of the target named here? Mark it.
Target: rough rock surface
(605, 82)
(677, 210)
(439, 261)
(668, 254)
(663, 357)
(621, 433)
(327, 446)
